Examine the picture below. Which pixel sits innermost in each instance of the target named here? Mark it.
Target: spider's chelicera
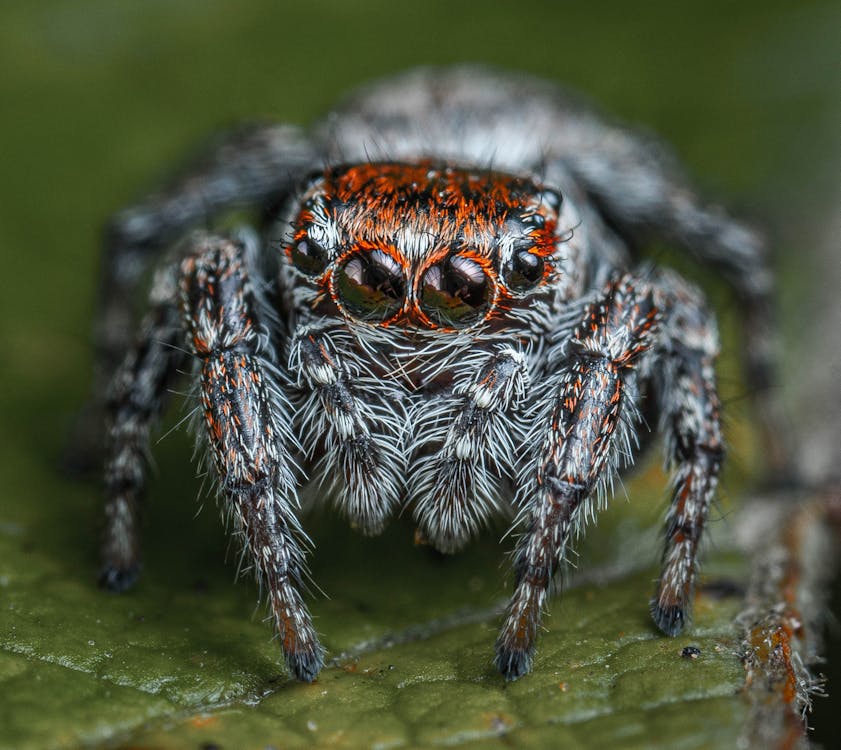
(446, 319)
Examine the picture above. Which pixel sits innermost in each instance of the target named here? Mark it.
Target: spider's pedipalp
(137, 396)
(456, 489)
(247, 432)
(587, 402)
(362, 468)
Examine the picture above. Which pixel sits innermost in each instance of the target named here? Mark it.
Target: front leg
(587, 409)
(253, 167)
(246, 420)
(640, 188)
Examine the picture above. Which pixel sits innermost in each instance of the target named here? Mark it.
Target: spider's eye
(371, 284)
(551, 198)
(308, 257)
(456, 292)
(525, 271)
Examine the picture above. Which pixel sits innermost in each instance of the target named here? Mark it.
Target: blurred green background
(99, 98)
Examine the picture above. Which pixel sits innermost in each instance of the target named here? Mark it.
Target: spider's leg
(366, 469)
(252, 167)
(577, 435)
(246, 419)
(638, 184)
(137, 396)
(455, 489)
(639, 187)
(684, 376)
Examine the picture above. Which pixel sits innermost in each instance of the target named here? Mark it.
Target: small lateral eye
(456, 292)
(525, 271)
(551, 199)
(371, 285)
(308, 257)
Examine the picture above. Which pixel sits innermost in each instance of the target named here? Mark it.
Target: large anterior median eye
(456, 292)
(371, 285)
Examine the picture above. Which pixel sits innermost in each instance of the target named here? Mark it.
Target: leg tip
(513, 663)
(669, 619)
(116, 579)
(305, 666)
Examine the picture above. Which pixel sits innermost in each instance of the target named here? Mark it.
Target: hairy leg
(684, 376)
(577, 435)
(246, 419)
(137, 396)
(248, 167)
(456, 489)
(636, 182)
(253, 166)
(639, 185)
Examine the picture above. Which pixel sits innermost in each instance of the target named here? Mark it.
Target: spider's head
(424, 246)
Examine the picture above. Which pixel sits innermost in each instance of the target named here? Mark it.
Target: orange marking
(463, 211)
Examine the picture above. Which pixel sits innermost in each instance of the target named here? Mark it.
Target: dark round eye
(456, 292)
(525, 271)
(308, 257)
(371, 284)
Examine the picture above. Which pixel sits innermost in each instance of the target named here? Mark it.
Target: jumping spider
(441, 313)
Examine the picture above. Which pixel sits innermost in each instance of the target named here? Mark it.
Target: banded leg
(455, 490)
(137, 397)
(690, 418)
(254, 166)
(363, 469)
(588, 410)
(251, 166)
(246, 419)
(637, 184)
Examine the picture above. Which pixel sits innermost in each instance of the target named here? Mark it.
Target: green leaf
(410, 633)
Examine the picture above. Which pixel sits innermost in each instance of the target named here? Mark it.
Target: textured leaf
(179, 652)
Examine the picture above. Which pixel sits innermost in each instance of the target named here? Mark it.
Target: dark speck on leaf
(690, 652)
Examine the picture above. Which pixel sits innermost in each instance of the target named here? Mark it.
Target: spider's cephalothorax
(424, 247)
(446, 319)
(418, 290)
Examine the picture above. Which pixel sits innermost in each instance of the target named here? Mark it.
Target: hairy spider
(441, 312)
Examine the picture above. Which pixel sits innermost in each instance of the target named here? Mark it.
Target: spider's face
(424, 246)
